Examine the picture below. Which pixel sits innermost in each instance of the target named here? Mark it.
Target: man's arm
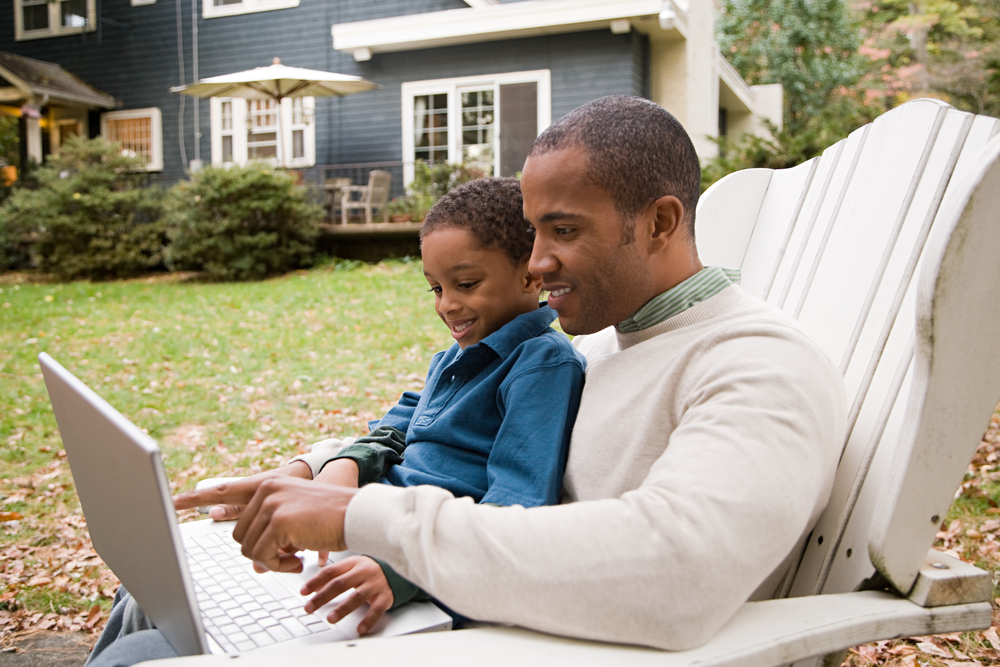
(742, 479)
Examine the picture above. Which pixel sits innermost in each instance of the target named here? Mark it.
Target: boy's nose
(448, 303)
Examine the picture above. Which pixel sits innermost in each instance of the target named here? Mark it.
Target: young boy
(495, 416)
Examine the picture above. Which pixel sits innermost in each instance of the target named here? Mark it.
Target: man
(705, 445)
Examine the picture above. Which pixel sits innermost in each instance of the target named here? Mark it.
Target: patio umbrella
(276, 82)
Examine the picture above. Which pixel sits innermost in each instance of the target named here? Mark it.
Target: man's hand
(340, 472)
(282, 515)
(228, 499)
(362, 574)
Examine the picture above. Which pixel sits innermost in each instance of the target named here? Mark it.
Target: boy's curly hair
(491, 209)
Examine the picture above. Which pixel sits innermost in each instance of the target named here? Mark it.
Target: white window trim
(210, 11)
(156, 129)
(55, 28)
(451, 86)
(239, 132)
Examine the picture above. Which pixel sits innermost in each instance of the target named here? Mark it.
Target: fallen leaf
(10, 516)
(992, 638)
(933, 649)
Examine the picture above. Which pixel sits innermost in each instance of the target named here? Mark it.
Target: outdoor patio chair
(375, 195)
(334, 189)
(885, 249)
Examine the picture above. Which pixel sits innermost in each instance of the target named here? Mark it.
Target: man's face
(594, 281)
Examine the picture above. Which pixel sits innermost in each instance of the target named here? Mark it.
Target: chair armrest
(761, 634)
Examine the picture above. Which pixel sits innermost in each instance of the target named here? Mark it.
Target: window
(244, 130)
(139, 131)
(44, 18)
(262, 129)
(488, 120)
(214, 8)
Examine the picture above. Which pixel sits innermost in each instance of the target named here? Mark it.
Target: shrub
(90, 216)
(241, 223)
(432, 181)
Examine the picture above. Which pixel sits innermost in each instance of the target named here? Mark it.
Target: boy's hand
(362, 574)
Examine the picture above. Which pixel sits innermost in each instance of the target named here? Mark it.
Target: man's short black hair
(638, 153)
(491, 209)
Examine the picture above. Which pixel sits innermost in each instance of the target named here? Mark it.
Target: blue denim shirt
(494, 421)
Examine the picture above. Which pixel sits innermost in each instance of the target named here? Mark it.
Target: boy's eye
(436, 290)
(468, 285)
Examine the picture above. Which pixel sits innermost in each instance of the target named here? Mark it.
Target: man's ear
(668, 222)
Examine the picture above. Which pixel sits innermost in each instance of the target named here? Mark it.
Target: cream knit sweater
(704, 451)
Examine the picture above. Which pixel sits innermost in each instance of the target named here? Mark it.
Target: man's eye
(530, 230)
(562, 231)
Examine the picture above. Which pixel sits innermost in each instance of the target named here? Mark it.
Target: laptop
(190, 579)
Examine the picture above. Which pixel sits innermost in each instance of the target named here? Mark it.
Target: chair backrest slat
(837, 243)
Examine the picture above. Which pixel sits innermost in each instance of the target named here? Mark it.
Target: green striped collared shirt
(701, 286)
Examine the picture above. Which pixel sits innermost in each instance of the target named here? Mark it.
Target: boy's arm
(376, 452)
(403, 590)
(373, 453)
(540, 399)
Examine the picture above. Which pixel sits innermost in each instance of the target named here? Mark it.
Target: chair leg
(368, 213)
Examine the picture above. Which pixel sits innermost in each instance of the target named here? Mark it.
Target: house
(472, 80)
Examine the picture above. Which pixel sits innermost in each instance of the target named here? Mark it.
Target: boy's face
(476, 290)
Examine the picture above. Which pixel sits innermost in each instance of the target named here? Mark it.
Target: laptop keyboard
(240, 609)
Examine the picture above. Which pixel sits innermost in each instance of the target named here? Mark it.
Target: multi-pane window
(489, 121)
(138, 132)
(227, 131)
(478, 135)
(51, 18)
(262, 125)
(244, 130)
(214, 8)
(299, 121)
(430, 127)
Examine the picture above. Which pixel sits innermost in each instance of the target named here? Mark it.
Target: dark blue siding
(133, 55)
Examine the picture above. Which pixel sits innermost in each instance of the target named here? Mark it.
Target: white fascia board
(464, 26)
(731, 79)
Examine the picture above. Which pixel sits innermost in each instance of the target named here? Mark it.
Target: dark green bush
(241, 223)
(90, 216)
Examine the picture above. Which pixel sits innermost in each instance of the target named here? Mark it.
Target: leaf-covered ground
(235, 378)
(230, 379)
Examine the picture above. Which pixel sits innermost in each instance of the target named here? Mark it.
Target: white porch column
(34, 135)
(702, 79)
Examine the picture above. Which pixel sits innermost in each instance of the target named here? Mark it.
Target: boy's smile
(477, 290)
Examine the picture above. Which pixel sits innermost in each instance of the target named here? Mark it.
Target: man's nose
(542, 261)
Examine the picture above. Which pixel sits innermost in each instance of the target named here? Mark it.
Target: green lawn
(228, 378)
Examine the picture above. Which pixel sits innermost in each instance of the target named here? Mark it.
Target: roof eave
(493, 23)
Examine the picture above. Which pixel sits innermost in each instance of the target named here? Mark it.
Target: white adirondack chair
(887, 250)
